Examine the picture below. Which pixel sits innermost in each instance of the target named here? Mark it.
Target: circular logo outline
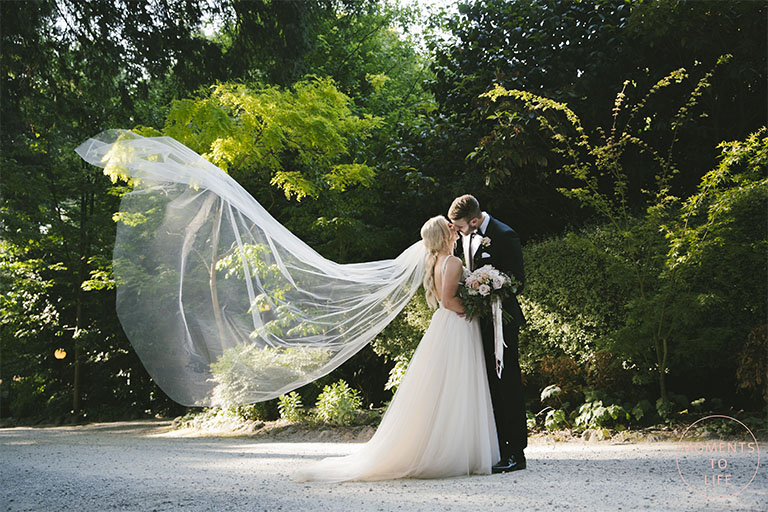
(757, 466)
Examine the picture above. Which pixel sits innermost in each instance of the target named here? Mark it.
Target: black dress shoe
(505, 465)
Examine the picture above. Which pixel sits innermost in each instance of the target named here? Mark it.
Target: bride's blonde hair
(436, 233)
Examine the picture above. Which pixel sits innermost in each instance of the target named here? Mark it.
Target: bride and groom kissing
(453, 413)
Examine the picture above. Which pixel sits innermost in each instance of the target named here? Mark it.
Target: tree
(72, 69)
(75, 68)
(580, 53)
(717, 245)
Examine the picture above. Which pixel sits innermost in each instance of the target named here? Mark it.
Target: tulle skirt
(439, 423)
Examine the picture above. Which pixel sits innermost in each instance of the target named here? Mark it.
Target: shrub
(674, 403)
(338, 404)
(568, 375)
(642, 409)
(290, 406)
(574, 296)
(556, 419)
(262, 411)
(530, 420)
(752, 372)
(606, 371)
(247, 372)
(398, 371)
(596, 415)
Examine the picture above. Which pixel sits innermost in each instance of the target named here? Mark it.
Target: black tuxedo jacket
(504, 253)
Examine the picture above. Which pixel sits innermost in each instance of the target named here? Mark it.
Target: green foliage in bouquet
(482, 287)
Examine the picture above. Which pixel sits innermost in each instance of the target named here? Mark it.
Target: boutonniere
(485, 242)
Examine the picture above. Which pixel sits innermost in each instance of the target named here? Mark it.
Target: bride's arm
(451, 285)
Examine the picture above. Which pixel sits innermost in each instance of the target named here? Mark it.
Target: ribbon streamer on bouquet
(498, 335)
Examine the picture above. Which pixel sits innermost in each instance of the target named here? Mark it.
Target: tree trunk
(79, 305)
(86, 204)
(76, 383)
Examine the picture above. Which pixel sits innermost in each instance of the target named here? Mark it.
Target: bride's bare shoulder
(452, 263)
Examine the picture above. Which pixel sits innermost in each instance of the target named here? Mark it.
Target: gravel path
(144, 466)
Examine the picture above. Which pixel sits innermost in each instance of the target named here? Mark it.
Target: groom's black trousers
(507, 392)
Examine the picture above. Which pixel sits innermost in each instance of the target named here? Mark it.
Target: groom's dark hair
(464, 207)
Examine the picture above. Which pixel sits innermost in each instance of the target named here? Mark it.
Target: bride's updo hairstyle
(436, 233)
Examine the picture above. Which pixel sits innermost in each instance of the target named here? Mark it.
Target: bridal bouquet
(484, 287)
(482, 293)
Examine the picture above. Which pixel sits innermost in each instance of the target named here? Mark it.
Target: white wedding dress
(439, 423)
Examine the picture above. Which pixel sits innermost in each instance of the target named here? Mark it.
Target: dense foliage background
(624, 140)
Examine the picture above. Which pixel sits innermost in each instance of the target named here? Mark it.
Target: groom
(487, 241)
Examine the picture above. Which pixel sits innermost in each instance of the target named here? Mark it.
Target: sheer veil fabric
(221, 302)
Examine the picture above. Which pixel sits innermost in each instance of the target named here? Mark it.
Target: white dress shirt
(465, 239)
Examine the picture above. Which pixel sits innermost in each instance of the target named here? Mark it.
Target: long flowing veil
(221, 302)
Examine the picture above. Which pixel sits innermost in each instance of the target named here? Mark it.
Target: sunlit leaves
(597, 161)
(737, 185)
(298, 138)
(294, 185)
(345, 175)
(101, 278)
(25, 307)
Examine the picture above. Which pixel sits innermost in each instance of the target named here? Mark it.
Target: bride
(440, 421)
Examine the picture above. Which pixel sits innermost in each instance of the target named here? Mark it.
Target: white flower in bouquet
(482, 287)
